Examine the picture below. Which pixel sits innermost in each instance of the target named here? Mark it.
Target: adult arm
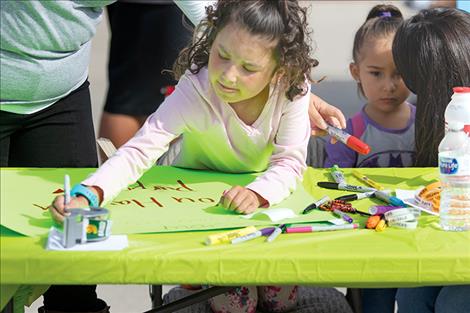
(195, 10)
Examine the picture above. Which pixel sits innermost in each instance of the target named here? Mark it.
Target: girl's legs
(417, 300)
(245, 299)
(277, 298)
(241, 300)
(378, 300)
(453, 299)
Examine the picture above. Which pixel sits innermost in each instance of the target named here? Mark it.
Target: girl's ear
(354, 70)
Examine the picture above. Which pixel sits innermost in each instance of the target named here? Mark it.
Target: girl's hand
(241, 200)
(320, 113)
(57, 208)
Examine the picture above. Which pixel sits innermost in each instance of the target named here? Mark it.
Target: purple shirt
(389, 147)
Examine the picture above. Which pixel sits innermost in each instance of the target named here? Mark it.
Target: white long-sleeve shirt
(206, 133)
(195, 10)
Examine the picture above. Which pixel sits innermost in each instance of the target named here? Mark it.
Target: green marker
(337, 175)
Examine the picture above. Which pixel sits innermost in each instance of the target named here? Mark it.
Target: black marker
(316, 204)
(356, 196)
(342, 186)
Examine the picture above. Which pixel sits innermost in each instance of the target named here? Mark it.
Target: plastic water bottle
(454, 166)
(458, 109)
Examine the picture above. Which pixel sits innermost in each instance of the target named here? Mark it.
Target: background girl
(386, 122)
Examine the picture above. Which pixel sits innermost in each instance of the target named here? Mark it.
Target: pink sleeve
(142, 151)
(287, 162)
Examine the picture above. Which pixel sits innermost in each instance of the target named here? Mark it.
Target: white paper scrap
(408, 196)
(274, 215)
(113, 243)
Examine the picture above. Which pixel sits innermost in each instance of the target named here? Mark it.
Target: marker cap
(267, 231)
(357, 145)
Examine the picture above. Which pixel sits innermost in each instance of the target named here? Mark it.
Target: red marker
(349, 140)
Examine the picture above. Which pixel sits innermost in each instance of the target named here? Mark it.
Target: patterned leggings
(246, 299)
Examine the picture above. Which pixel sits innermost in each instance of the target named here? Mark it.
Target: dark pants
(61, 135)
(378, 300)
(146, 40)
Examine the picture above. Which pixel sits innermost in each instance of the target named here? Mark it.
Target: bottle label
(454, 165)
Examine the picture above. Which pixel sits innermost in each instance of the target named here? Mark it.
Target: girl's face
(241, 65)
(381, 84)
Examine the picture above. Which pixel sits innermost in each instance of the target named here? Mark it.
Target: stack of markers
(394, 214)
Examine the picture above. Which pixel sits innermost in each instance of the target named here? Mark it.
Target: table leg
(9, 307)
(156, 295)
(354, 298)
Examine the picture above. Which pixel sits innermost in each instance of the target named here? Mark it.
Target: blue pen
(389, 199)
(343, 215)
(66, 189)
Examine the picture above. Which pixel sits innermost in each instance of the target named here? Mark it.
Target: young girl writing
(386, 122)
(241, 105)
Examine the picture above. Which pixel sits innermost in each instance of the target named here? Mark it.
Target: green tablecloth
(353, 258)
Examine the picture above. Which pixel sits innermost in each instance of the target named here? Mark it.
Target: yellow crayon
(229, 235)
(367, 180)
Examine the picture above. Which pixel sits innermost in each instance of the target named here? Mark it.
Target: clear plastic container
(454, 167)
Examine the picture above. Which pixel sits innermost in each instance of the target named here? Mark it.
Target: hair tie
(385, 14)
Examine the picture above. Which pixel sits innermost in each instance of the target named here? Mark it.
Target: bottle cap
(461, 89)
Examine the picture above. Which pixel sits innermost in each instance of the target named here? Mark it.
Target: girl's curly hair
(284, 21)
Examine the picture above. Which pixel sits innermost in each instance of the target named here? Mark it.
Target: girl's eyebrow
(374, 67)
(254, 65)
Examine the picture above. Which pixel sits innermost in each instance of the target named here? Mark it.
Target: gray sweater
(45, 50)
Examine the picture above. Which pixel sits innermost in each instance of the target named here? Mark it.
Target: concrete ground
(334, 24)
